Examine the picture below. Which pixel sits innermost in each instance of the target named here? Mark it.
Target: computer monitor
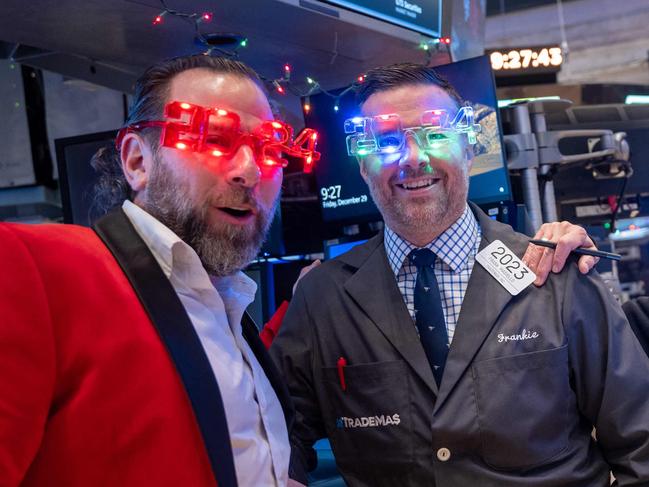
(424, 17)
(474, 81)
(334, 248)
(76, 176)
(344, 196)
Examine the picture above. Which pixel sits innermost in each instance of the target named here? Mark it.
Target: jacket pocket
(523, 407)
(371, 418)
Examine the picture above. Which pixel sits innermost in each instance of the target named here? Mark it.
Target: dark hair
(397, 75)
(151, 92)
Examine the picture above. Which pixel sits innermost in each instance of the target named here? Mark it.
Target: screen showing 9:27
(331, 197)
(344, 196)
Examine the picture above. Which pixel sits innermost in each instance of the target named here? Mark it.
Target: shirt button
(443, 454)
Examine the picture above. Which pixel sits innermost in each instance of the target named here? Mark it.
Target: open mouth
(238, 213)
(419, 184)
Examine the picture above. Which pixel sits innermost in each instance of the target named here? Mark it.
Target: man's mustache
(236, 197)
(409, 172)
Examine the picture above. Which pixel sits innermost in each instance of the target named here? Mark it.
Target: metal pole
(549, 202)
(531, 196)
(521, 125)
(549, 199)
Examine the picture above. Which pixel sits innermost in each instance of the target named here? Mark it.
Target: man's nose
(413, 155)
(242, 168)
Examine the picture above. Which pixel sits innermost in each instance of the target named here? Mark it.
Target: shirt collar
(176, 257)
(453, 246)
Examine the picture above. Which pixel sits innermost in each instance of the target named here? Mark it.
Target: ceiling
(110, 41)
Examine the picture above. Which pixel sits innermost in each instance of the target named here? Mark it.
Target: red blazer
(91, 393)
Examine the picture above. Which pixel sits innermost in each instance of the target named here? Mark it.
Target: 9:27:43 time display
(526, 59)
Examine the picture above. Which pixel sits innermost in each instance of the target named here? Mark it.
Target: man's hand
(294, 483)
(567, 237)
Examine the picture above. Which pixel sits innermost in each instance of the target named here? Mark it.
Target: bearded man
(126, 355)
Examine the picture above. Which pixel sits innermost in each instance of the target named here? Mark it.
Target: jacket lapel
(483, 302)
(179, 336)
(374, 289)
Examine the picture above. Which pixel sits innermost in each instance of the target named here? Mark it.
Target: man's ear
(137, 159)
(362, 167)
(468, 155)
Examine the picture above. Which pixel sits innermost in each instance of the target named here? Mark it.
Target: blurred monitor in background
(344, 196)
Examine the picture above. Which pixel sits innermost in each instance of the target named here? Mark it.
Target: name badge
(505, 267)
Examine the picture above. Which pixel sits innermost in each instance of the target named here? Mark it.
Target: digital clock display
(529, 59)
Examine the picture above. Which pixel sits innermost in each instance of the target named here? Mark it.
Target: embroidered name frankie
(525, 335)
(368, 421)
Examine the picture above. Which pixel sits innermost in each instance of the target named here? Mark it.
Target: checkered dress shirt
(456, 249)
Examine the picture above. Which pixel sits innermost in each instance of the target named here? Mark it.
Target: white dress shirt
(215, 306)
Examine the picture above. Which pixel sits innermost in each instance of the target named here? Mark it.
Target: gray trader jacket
(509, 412)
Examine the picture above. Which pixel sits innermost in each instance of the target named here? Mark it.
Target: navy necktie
(429, 316)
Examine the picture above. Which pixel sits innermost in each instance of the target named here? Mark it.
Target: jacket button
(443, 454)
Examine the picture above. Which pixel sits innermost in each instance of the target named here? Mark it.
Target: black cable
(619, 203)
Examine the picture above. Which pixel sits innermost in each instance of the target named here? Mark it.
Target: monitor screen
(335, 248)
(423, 16)
(76, 176)
(344, 196)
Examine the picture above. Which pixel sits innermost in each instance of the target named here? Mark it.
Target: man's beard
(425, 213)
(222, 251)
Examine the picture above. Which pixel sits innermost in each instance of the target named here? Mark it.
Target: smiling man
(126, 355)
(427, 357)
(418, 195)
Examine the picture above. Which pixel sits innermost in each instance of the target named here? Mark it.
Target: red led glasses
(213, 130)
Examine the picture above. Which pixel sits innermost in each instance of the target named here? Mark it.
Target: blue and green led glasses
(384, 134)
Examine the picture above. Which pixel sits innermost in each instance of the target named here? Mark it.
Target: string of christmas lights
(284, 84)
(429, 46)
(196, 19)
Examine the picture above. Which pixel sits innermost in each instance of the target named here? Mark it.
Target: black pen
(580, 251)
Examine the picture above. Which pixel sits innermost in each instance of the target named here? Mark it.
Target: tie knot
(422, 258)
